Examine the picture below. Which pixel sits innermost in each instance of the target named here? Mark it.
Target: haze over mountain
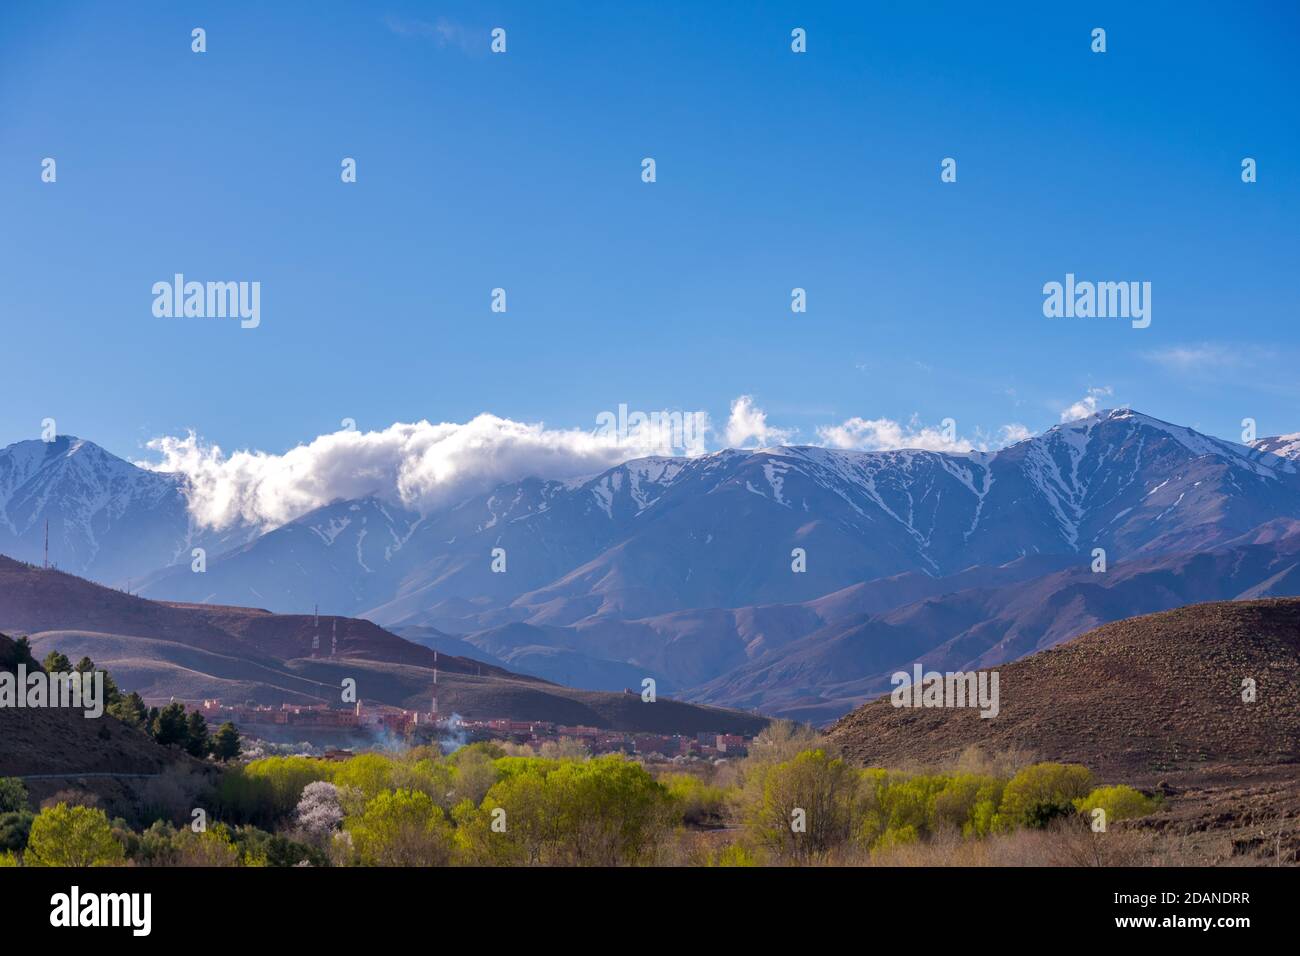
(681, 568)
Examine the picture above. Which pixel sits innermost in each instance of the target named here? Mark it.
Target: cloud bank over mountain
(419, 465)
(422, 466)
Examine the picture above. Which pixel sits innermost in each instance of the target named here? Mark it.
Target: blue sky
(522, 171)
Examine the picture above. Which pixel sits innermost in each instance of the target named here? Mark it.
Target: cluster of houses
(430, 727)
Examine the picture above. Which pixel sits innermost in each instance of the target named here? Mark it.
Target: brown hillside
(196, 651)
(1144, 695)
(55, 749)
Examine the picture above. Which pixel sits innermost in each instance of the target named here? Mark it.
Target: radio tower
(334, 639)
(315, 634)
(47, 544)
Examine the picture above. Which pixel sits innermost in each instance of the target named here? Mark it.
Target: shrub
(13, 795)
(14, 828)
(733, 854)
(1036, 794)
(966, 804)
(824, 789)
(606, 811)
(1119, 802)
(402, 828)
(211, 847)
(268, 790)
(72, 836)
(698, 803)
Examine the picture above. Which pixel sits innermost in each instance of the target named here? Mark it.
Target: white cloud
(420, 466)
(423, 466)
(883, 434)
(747, 426)
(1087, 405)
(1013, 434)
(886, 434)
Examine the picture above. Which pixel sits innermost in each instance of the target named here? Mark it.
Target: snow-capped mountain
(658, 535)
(682, 567)
(1288, 446)
(108, 519)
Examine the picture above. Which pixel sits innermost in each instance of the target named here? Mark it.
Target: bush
(72, 836)
(824, 789)
(1039, 816)
(212, 847)
(402, 828)
(267, 791)
(698, 803)
(1037, 794)
(607, 811)
(14, 828)
(967, 804)
(13, 795)
(1119, 803)
(733, 854)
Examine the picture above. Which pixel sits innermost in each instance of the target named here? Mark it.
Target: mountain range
(684, 568)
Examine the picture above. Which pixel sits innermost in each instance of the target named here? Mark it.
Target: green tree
(1041, 793)
(111, 694)
(197, 741)
(226, 743)
(268, 790)
(212, 847)
(23, 651)
(1120, 803)
(14, 829)
(170, 727)
(131, 710)
(608, 811)
(13, 795)
(56, 662)
(402, 828)
(72, 836)
(699, 803)
(803, 808)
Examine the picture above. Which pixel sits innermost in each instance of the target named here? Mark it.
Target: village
(386, 726)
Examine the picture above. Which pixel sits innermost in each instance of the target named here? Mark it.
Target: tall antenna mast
(47, 544)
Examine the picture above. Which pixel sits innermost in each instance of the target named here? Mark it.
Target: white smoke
(419, 466)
